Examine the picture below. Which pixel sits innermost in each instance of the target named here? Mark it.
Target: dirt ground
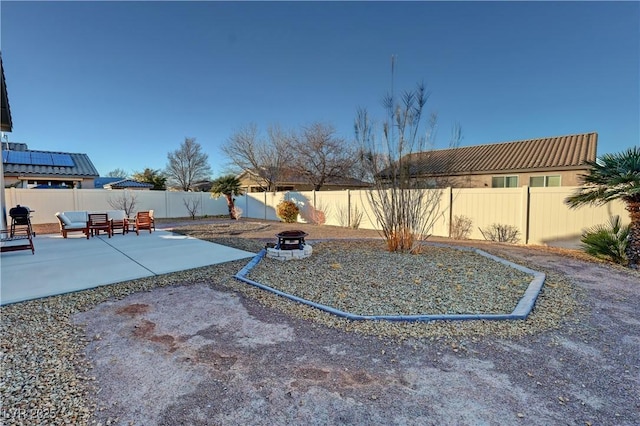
(202, 355)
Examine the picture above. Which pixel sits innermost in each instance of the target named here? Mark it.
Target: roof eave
(488, 172)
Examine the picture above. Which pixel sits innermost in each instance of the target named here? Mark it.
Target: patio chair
(143, 221)
(98, 222)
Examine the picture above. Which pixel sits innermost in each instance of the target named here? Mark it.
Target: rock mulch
(45, 378)
(363, 278)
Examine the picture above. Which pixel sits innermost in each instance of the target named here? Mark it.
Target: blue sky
(127, 82)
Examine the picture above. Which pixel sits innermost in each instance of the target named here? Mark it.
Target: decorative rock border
(278, 254)
(520, 312)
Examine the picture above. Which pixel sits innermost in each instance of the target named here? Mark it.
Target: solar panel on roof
(64, 160)
(19, 157)
(41, 159)
(5, 155)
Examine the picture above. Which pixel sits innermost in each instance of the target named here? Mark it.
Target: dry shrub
(501, 233)
(237, 212)
(461, 227)
(401, 240)
(318, 217)
(349, 218)
(288, 211)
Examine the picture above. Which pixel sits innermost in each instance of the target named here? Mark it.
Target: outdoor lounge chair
(98, 222)
(143, 221)
(73, 221)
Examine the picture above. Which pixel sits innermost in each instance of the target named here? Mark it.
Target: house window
(504, 182)
(544, 181)
(68, 184)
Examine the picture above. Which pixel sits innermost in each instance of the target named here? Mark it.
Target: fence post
(348, 208)
(524, 217)
(450, 215)
(246, 204)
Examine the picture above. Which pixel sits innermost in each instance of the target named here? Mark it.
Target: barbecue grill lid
(19, 211)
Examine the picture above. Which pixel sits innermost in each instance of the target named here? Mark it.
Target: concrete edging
(520, 312)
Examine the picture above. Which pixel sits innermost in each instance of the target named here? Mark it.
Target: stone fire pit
(291, 245)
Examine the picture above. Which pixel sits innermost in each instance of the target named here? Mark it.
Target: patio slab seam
(521, 311)
(127, 256)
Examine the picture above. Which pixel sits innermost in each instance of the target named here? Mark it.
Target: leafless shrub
(404, 210)
(349, 217)
(461, 227)
(124, 201)
(501, 233)
(316, 215)
(192, 205)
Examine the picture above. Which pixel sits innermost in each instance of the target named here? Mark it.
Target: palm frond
(614, 176)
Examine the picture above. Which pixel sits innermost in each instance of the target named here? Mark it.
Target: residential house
(26, 168)
(128, 184)
(290, 180)
(552, 161)
(100, 182)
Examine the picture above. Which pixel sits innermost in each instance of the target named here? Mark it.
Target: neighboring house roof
(6, 124)
(127, 183)
(202, 186)
(18, 160)
(568, 152)
(100, 182)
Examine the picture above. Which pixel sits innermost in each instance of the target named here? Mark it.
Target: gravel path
(200, 348)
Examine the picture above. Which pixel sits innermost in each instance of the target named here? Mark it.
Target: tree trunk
(633, 248)
(230, 205)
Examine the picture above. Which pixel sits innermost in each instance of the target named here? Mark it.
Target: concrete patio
(65, 265)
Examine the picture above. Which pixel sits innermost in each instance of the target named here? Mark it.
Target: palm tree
(229, 186)
(615, 177)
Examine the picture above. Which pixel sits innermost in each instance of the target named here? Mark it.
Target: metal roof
(128, 183)
(100, 182)
(82, 165)
(6, 124)
(570, 152)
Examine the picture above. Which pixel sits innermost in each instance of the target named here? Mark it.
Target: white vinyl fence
(540, 214)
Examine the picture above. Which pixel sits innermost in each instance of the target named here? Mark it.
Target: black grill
(20, 217)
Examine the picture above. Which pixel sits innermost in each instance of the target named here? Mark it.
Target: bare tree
(118, 173)
(124, 201)
(187, 165)
(192, 205)
(319, 155)
(264, 160)
(404, 213)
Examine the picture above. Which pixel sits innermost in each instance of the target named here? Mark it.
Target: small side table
(130, 224)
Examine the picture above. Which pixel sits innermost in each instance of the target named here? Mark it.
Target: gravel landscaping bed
(43, 363)
(364, 279)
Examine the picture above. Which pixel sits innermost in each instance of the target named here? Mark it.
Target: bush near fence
(540, 214)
